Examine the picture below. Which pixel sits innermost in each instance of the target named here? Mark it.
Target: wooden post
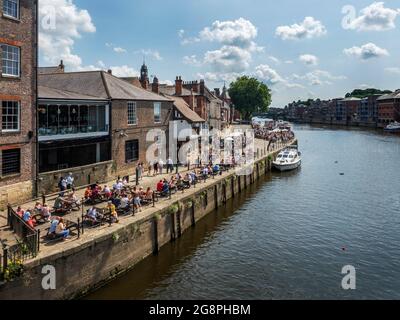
(38, 241)
(79, 229)
(43, 199)
(154, 199)
(82, 221)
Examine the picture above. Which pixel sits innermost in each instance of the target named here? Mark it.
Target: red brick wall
(21, 33)
(145, 122)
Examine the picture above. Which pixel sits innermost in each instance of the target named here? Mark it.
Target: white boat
(393, 127)
(288, 159)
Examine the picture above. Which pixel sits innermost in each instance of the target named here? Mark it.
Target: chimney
(61, 66)
(178, 86)
(202, 87)
(217, 92)
(195, 86)
(109, 71)
(191, 100)
(155, 85)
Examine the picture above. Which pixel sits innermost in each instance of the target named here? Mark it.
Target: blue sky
(299, 48)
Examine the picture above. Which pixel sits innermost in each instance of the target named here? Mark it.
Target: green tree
(249, 96)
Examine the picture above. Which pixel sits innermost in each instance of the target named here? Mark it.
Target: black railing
(28, 246)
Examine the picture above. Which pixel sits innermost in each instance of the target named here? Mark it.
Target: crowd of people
(273, 136)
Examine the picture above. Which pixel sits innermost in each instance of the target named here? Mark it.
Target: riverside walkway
(50, 248)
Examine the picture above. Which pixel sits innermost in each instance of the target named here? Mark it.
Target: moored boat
(393, 127)
(288, 159)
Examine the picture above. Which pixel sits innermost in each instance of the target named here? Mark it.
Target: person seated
(148, 196)
(180, 185)
(119, 185)
(187, 180)
(124, 203)
(172, 185)
(38, 207)
(93, 215)
(165, 188)
(107, 192)
(160, 186)
(71, 199)
(20, 212)
(27, 217)
(59, 203)
(61, 230)
(53, 226)
(113, 212)
(44, 213)
(88, 193)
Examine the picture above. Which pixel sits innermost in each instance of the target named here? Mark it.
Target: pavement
(146, 181)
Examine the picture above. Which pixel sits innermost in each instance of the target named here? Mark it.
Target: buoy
(342, 174)
(343, 249)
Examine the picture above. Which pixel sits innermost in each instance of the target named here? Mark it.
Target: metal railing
(28, 247)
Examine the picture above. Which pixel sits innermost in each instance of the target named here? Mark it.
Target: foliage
(249, 96)
(115, 237)
(173, 209)
(14, 270)
(362, 93)
(189, 204)
(157, 216)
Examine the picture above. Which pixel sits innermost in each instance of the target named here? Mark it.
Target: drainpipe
(36, 100)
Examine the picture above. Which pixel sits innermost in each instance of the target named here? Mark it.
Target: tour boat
(393, 127)
(288, 159)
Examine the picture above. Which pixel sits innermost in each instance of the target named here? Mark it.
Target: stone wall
(96, 261)
(103, 171)
(15, 193)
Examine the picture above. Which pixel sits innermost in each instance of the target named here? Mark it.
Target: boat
(393, 127)
(288, 159)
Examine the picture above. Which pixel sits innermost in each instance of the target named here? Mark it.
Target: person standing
(160, 166)
(170, 165)
(155, 167)
(70, 181)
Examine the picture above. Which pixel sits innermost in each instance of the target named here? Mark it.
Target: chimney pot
(109, 71)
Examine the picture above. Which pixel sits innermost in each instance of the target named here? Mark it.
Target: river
(289, 235)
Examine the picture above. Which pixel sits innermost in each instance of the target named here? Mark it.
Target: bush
(173, 209)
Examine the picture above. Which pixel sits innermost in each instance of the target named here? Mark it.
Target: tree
(249, 95)
(362, 93)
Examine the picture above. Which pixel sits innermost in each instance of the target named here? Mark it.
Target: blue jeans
(64, 234)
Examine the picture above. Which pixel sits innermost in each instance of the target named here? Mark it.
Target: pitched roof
(57, 94)
(351, 99)
(394, 95)
(99, 84)
(185, 110)
(122, 90)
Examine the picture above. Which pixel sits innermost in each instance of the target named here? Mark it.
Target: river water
(290, 234)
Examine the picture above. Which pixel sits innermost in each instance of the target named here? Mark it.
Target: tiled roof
(56, 94)
(394, 95)
(170, 90)
(185, 110)
(99, 84)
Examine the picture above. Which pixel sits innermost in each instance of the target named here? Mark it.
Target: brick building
(388, 108)
(99, 117)
(18, 52)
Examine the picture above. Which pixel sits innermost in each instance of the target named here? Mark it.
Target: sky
(300, 48)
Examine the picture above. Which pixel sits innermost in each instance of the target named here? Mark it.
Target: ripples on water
(284, 238)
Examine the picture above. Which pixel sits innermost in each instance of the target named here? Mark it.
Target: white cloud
(219, 77)
(228, 59)
(375, 18)
(167, 82)
(309, 28)
(124, 71)
(240, 32)
(150, 53)
(309, 59)
(266, 73)
(274, 59)
(366, 51)
(365, 86)
(289, 62)
(270, 76)
(119, 50)
(56, 43)
(318, 78)
(393, 70)
(191, 60)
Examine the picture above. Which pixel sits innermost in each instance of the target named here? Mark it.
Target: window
(131, 150)
(11, 8)
(10, 60)
(132, 119)
(11, 162)
(157, 112)
(10, 116)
